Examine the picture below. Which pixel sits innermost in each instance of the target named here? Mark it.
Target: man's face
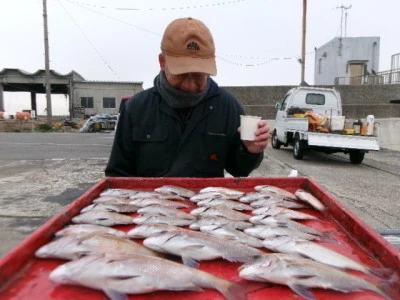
(188, 82)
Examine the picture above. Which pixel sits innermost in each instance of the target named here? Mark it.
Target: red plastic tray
(22, 276)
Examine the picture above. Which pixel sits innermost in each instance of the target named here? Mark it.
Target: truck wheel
(356, 156)
(298, 151)
(276, 144)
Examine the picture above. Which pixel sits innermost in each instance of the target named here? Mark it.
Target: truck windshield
(315, 99)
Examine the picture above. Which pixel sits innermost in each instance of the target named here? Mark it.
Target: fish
(118, 276)
(111, 200)
(89, 228)
(220, 211)
(222, 190)
(165, 211)
(266, 232)
(145, 230)
(119, 208)
(118, 192)
(253, 196)
(175, 190)
(158, 201)
(275, 190)
(232, 233)
(157, 219)
(220, 221)
(277, 202)
(301, 274)
(310, 199)
(72, 247)
(232, 204)
(154, 194)
(194, 246)
(212, 195)
(322, 254)
(283, 213)
(273, 221)
(103, 218)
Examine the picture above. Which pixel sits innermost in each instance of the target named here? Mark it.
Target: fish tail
(239, 291)
(380, 272)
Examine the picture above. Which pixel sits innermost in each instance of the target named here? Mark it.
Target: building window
(87, 102)
(316, 99)
(109, 102)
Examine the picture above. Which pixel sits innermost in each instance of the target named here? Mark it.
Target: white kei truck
(293, 127)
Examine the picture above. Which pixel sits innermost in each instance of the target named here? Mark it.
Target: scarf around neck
(177, 98)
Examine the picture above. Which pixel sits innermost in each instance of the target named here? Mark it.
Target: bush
(44, 127)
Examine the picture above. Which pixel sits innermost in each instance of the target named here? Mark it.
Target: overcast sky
(258, 42)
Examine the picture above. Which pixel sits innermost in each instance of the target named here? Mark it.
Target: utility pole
(303, 42)
(47, 65)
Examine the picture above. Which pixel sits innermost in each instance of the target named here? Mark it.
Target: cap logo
(193, 47)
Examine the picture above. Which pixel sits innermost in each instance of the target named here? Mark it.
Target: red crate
(23, 276)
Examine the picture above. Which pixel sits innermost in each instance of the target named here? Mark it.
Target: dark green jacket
(150, 141)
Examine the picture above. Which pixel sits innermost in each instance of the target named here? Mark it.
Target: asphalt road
(43, 172)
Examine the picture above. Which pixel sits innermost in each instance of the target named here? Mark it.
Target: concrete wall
(358, 100)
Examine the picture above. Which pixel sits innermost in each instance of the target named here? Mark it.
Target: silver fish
(232, 233)
(111, 200)
(89, 228)
(195, 246)
(273, 221)
(75, 246)
(284, 213)
(157, 201)
(154, 194)
(222, 190)
(118, 192)
(175, 190)
(220, 221)
(103, 218)
(318, 253)
(232, 204)
(276, 190)
(117, 276)
(165, 211)
(277, 202)
(212, 195)
(301, 274)
(146, 230)
(267, 232)
(119, 208)
(157, 219)
(220, 211)
(310, 199)
(253, 196)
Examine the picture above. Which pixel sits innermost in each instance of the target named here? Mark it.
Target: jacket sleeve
(122, 162)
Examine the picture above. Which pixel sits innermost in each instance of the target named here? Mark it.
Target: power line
(159, 8)
(89, 41)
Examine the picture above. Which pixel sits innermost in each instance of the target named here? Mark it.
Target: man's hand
(261, 141)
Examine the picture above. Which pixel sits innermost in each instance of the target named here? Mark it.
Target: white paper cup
(248, 127)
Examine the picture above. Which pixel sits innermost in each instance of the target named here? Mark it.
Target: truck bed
(23, 276)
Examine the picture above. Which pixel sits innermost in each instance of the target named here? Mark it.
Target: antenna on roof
(344, 11)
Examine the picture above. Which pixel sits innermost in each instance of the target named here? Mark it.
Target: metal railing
(384, 77)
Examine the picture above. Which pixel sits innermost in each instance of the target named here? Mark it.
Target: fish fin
(115, 295)
(302, 291)
(380, 272)
(190, 262)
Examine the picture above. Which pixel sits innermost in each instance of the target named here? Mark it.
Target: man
(184, 126)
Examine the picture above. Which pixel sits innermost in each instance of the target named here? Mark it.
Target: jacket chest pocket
(151, 149)
(212, 150)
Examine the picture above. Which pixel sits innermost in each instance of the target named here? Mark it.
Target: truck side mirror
(277, 106)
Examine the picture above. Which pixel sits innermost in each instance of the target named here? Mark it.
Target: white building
(344, 61)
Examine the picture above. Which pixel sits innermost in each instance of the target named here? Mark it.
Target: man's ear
(161, 60)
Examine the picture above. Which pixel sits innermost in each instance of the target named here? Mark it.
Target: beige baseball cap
(188, 47)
